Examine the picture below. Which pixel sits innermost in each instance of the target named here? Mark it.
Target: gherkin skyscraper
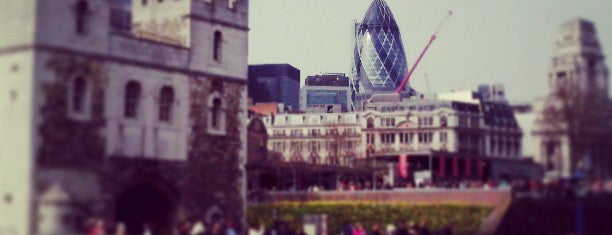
(379, 62)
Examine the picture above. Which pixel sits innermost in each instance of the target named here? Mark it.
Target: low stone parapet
(486, 197)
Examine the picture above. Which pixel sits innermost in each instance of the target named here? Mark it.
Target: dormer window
(82, 8)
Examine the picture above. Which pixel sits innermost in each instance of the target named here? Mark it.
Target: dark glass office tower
(379, 61)
(277, 83)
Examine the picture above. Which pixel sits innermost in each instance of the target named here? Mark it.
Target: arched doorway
(146, 203)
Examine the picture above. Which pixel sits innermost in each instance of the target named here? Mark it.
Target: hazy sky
(485, 41)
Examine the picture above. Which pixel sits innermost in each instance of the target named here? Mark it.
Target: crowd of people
(405, 227)
(197, 227)
(358, 185)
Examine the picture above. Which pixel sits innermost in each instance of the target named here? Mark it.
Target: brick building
(134, 123)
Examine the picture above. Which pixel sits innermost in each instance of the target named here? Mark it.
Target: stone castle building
(130, 121)
(572, 123)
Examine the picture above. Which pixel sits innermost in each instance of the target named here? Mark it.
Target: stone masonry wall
(209, 180)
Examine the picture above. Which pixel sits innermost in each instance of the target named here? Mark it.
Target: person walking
(229, 228)
(402, 229)
(375, 229)
(447, 229)
(198, 228)
(347, 229)
(412, 228)
(146, 230)
(120, 229)
(97, 228)
(256, 229)
(217, 228)
(424, 229)
(358, 229)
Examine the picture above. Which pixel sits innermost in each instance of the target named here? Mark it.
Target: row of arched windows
(132, 99)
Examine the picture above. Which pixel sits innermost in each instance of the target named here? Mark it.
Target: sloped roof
(264, 108)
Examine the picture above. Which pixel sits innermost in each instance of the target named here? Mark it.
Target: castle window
(78, 95)
(217, 46)
(132, 97)
(82, 7)
(166, 99)
(216, 114)
(215, 110)
(79, 98)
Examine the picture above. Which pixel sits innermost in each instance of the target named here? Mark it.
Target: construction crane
(416, 63)
(427, 82)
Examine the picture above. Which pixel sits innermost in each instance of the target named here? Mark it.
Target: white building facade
(570, 123)
(447, 138)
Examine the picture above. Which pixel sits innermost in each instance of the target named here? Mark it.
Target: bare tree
(581, 116)
(340, 152)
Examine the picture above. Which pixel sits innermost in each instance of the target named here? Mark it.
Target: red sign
(481, 167)
(455, 166)
(468, 167)
(403, 165)
(442, 166)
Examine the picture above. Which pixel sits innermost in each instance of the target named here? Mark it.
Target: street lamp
(581, 189)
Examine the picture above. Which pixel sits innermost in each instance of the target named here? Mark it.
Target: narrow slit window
(218, 40)
(166, 99)
(132, 98)
(216, 113)
(78, 95)
(82, 7)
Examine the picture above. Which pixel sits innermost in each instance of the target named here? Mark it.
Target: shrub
(465, 218)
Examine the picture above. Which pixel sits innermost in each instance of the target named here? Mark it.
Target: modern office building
(275, 83)
(495, 92)
(329, 92)
(379, 61)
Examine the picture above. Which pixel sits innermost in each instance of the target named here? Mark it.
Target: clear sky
(486, 41)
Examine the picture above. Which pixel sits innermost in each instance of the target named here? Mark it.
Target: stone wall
(65, 141)
(430, 196)
(73, 152)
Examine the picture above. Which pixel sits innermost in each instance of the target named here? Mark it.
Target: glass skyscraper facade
(324, 90)
(276, 83)
(379, 61)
